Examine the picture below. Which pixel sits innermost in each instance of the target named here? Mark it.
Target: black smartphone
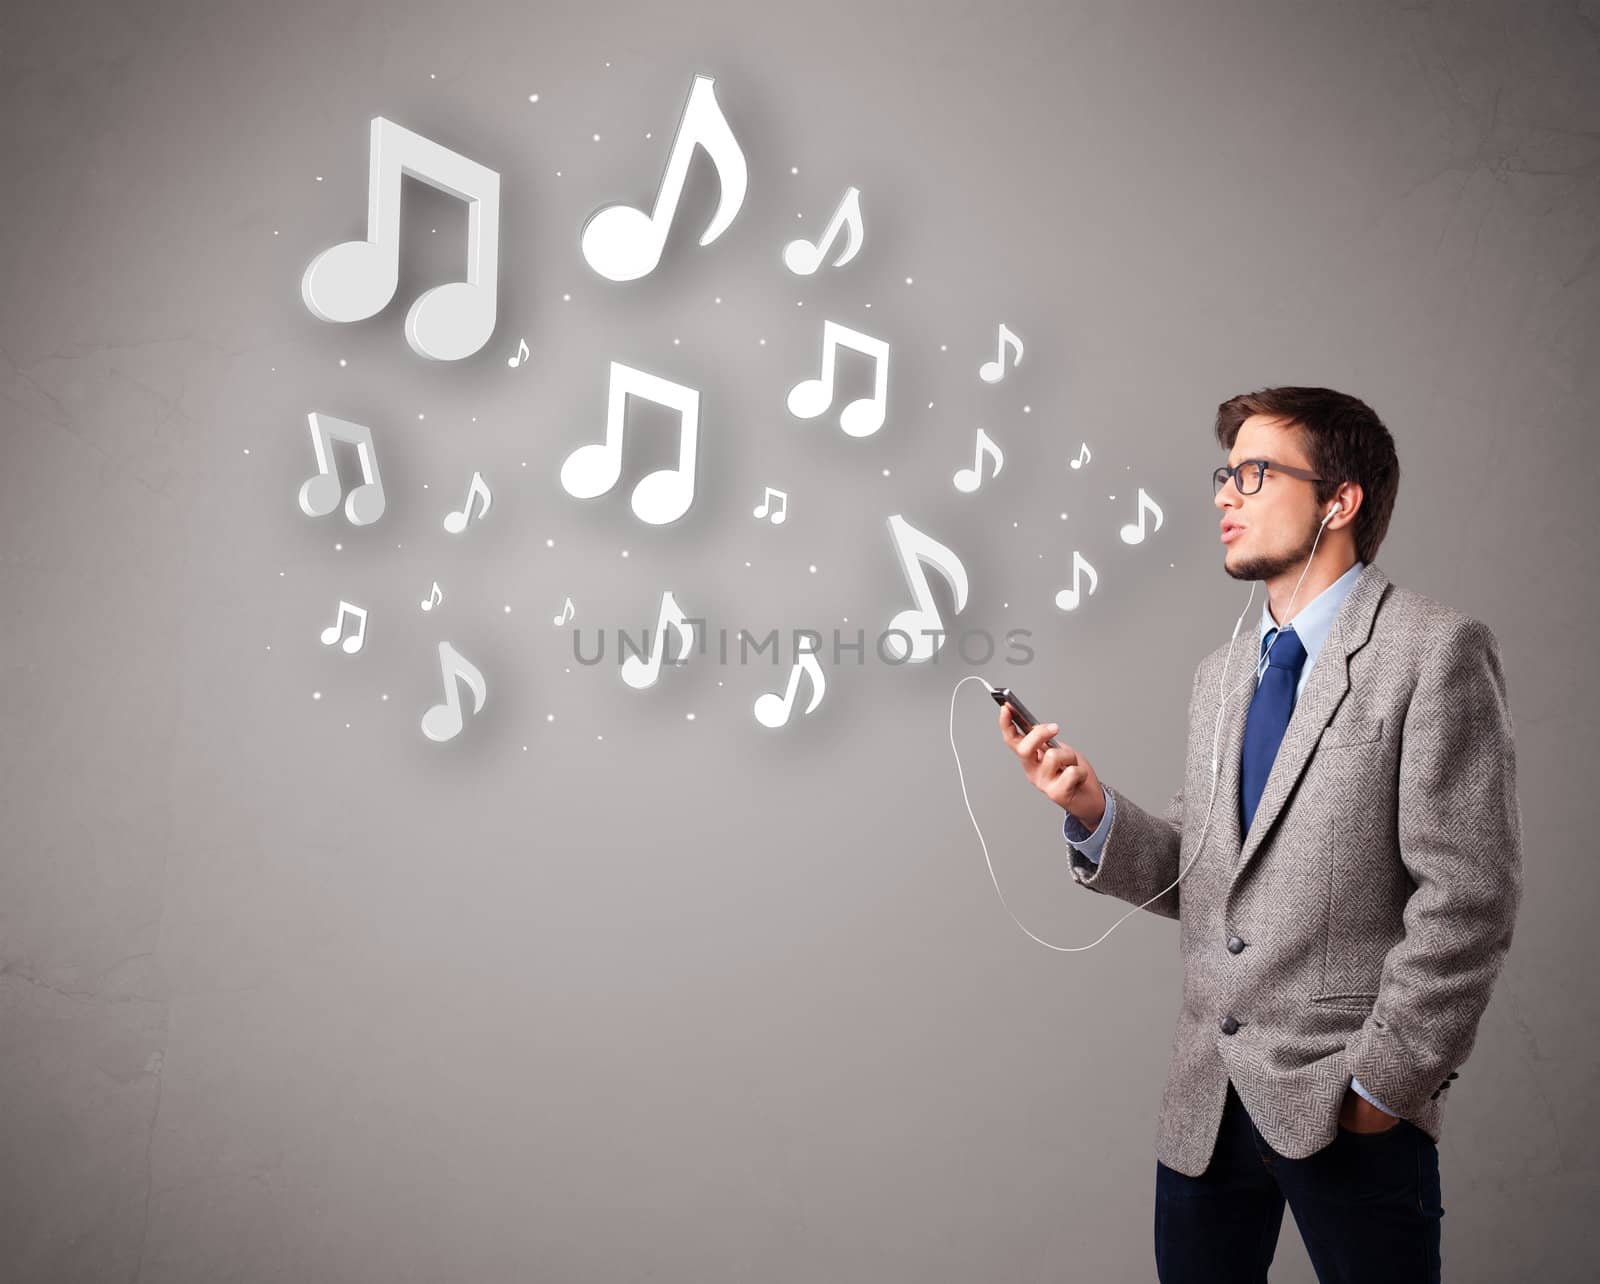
(1021, 717)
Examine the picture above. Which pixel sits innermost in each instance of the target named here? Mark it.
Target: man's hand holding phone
(1061, 774)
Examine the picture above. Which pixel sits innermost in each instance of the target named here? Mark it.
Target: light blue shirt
(1312, 624)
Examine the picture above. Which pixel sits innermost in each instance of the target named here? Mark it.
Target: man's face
(1276, 526)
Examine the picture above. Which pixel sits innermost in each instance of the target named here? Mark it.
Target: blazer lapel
(1325, 688)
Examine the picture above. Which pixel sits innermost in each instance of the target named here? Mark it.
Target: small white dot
(763, 343)
(597, 138)
(608, 64)
(319, 178)
(347, 726)
(549, 717)
(908, 280)
(533, 98)
(944, 347)
(424, 485)
(647, 134)
(1063, 517)
(566, 298)
(794, 169)
(434, 230)
(813, 569)
(338, 548)
(343, 362)
(384, 696)
(747, 563)
(508, 608)
(558, 173)
(1013, 523)
(280, 575)
(274, 369)
(316, 695)
(930, 405)
(677, 341)
(1027, 410)
(718, 299)
(247, 450)
(689, 716)
(274, 231)
(524, 748)
(419, 414)
(549, 543)
(269, 646)
(869, 305)
(719, 682)
(474, 418)
(431, 76)
(599, 737)
(624, 552)
(524, 463)
(799, 303)
(885, 472)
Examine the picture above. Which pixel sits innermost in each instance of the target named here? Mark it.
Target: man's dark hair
(1346, 441)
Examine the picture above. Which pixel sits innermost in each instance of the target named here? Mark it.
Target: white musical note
(1083, 456)
(1133, 532)
(772, 710)
(638, 673)
(778, 518)
(862, 417)
(622, 243)
(913, 548)
(319, 495)
(335, 631)
(1067, 599)
(803, 258)
(567, 612)
(969, 479)
(443, 721)
(456, 521)
(994, 371)
(521, 354)
(356, 279)
(662, 496)
(433, 599)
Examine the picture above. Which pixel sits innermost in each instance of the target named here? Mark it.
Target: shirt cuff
(1076, 833)
(1362, 1092)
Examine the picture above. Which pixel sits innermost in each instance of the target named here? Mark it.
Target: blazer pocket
(1351, 732)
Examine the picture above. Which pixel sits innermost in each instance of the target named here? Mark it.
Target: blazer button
(1234, 945)
(1228, 1024)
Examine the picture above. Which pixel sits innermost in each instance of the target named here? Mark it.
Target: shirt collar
(1313, 620)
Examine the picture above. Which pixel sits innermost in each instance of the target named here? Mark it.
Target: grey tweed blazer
(1359, 927)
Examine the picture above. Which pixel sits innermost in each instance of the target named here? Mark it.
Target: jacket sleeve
(1460, 835)
(1140, 855)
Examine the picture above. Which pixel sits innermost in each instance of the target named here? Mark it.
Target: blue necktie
(1269, 715)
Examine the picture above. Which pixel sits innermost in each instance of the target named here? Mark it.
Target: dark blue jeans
(1367, 1205)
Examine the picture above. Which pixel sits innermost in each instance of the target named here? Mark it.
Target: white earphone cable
(1216, 735)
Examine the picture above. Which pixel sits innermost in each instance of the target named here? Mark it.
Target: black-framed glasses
(1248, 473)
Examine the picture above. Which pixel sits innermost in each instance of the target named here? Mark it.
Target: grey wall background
(622, 995)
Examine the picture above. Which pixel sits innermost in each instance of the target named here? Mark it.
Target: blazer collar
(1324, 689)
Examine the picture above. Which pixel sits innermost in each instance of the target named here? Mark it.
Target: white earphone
(1222, 700)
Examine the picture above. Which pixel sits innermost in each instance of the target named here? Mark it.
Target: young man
(1349, 839)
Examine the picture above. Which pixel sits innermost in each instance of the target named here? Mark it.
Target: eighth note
(1068, 599)
(777, 518)
(521, 354)
(772, 710)
(803, 258)
(913, 547)
(332, 633)
(1083, 456)
(1133, 532)
(443, 721)
(567, 612)
(994, 371)
(969, 479)
(433, 599)
(455, 522)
